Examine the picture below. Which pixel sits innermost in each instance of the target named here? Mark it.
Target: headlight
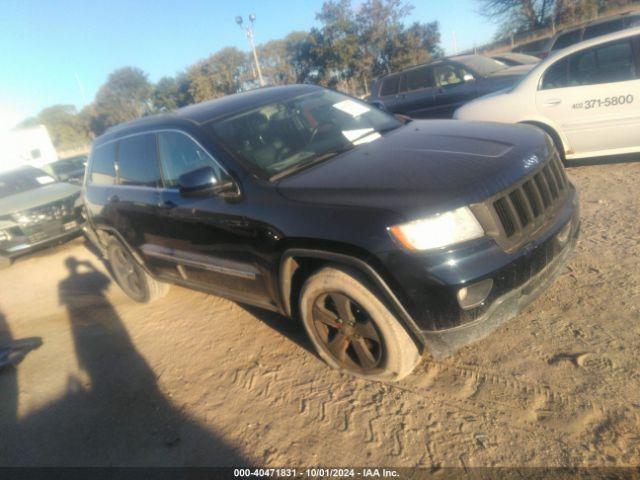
(4, 236)
(438, 231)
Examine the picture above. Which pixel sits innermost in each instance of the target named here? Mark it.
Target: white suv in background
(587, 97)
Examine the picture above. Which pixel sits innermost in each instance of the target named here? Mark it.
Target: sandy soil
(197, 380)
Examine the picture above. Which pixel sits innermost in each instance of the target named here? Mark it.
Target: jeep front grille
(530, 201)
(515, 215)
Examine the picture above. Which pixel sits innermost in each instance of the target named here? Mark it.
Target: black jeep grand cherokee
(387, 237)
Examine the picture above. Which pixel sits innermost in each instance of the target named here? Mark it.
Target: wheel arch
(305, 261)
(104, 234)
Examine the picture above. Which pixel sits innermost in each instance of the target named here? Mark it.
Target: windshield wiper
(307, 163)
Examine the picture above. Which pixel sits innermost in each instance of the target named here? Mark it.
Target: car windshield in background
(281, 137)
(483, 65)
(22, 180)
(67, 166)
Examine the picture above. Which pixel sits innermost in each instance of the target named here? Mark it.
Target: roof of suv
(455, 58)
(206, 111)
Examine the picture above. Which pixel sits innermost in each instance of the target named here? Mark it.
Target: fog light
(563, 235)
(474, 295)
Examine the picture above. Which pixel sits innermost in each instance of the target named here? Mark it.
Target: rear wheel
(352, 330)
(131, 277)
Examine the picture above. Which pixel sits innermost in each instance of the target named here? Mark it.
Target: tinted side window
(612, 62)
(390, 86)
(137, 161)
(602, 29)
(103, 169)
(419, 78)
(567, 39)
(449, 74)
(179, 155)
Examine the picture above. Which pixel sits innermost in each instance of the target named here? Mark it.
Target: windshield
(22, 180)
(67, 167)
(286, 135)
(483, 65)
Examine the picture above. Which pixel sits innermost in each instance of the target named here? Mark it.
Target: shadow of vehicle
(290, 328)
(116, 414)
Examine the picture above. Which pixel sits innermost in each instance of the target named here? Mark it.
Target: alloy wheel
(347, 331)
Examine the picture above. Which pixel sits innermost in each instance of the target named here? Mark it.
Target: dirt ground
(197, 380)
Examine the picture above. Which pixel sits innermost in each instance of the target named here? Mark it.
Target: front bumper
(446, 342)
(21, 245)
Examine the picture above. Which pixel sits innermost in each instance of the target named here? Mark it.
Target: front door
(594, 95)
(208, 242)
(455, 87)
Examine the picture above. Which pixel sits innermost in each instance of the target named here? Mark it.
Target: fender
(288, 267)
(556, 134)
(113, 232)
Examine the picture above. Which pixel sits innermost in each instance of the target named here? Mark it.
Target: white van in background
(26, 146)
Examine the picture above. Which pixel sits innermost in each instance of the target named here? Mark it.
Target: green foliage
(125, 96)
(171, 93)
(220, 74)
(66, 128)
(349, 48)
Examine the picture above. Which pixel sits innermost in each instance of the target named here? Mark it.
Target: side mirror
(468, 77)
(203, 182)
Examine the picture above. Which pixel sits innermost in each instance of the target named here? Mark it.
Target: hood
(423, 167)
(37, 197)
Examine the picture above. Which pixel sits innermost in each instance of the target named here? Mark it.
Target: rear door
(417, 92)
(388, 94)
(593, 96)
(133, 201)
(208, 243)
(100, 181)
(455, 87)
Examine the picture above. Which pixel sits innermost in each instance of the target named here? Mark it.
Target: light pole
(249, 32)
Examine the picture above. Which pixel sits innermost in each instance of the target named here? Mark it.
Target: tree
(66, 128)
(125, 96)
(222, 73)
(518, 15)
(171, 93)
(278, 59)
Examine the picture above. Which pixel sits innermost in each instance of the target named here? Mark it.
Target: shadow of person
(8, 382)
(116, 414)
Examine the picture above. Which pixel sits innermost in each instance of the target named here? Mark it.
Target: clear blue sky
(62, 51)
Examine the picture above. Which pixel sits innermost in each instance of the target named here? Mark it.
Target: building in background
(28, 146)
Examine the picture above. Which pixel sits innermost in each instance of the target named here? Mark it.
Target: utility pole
(249, 32)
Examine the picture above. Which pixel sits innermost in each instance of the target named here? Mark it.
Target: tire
(369, 325)
(131, 277)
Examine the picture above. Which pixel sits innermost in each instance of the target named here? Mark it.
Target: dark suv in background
(386, 237)
(437, 89)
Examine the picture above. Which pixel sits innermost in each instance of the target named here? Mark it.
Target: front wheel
(131, 277)
(352, 330)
